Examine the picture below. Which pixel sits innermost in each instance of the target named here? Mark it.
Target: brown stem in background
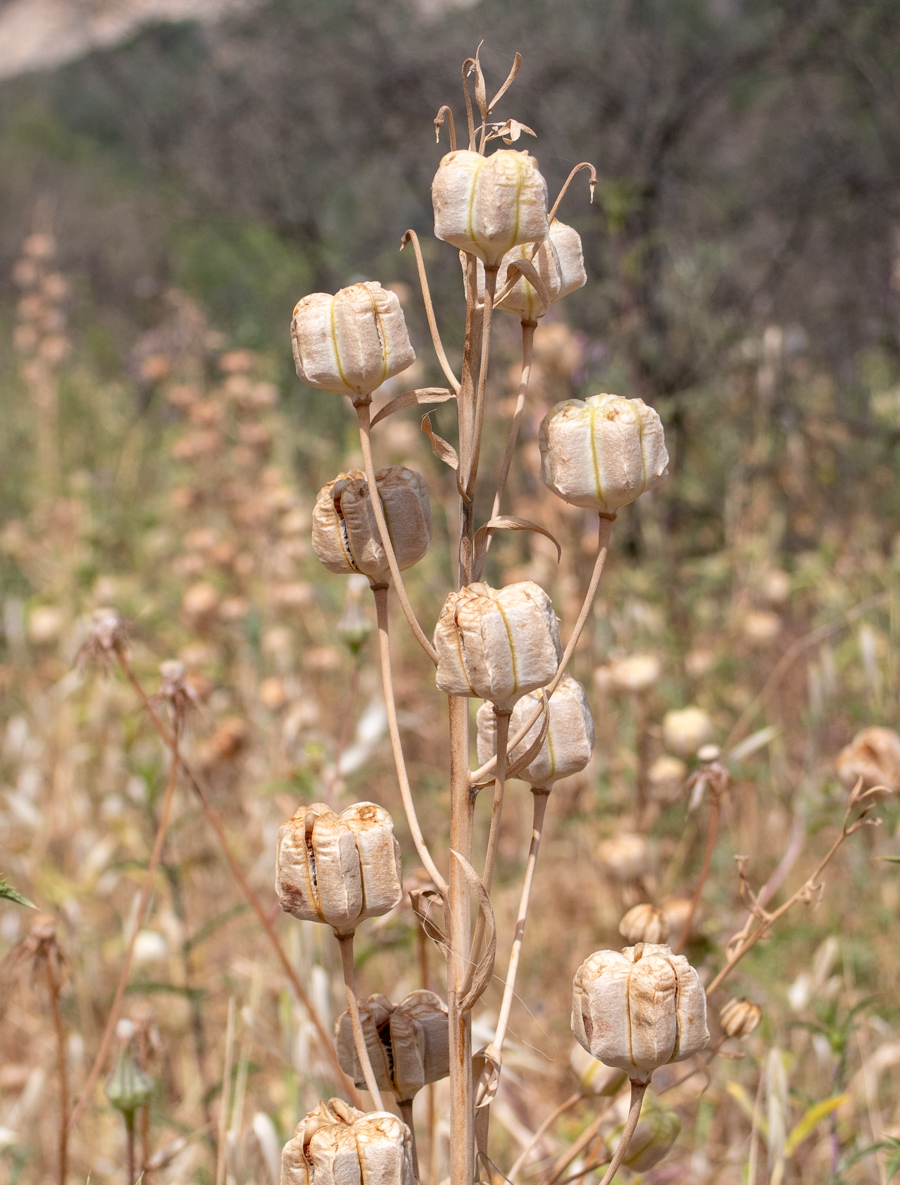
(501, 725)
(542, 1131)
(143, 902)
(711, 834)
(250, 896)
(642, 752)
(329, 796)
(345, 942)
(129, 1146)
(569, 1154)
(54, 987)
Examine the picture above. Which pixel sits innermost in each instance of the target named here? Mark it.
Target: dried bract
(337, 1145)
(408, 1043)
(567, 745)
(345, 534)
(497, 644)
(352, 342)
(644, 923)
(603, 452)
(486, 205)
(739, 1017)
(338, 869)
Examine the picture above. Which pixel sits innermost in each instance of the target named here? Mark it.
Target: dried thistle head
(107, 635)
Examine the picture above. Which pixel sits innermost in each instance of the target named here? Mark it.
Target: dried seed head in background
(408, 1043)
(345, 534)
(497, 644)
(634, 673)
(337, 1145)
(644, 923)
(625, 857)
(567, 745)
(687, 730)
(352, 342)
(338, 869)
(640, 1009)
(486, 205)
(874, 756)
(602, 453)
(739, 1017)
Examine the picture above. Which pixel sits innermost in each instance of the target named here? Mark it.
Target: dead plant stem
(54, 987)
(712, 832)
(345, 942)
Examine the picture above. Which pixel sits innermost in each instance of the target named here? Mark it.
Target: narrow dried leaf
(813, 1116)
(527, 269)
(486, 1072)
(510, 79)
(480, 89)
(411, 398)
(442, 450)
(481, 976)
(512, 522)
(423, 901)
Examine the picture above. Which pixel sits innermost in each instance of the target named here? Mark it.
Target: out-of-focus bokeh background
(174, 175)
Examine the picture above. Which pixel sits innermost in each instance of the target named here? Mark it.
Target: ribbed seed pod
(408, 1043)
(739, 1017)
(603, 452)
(497, 644)
(486, 205)
(567, 747)
(345, 534)
(644, 923)
(352, 342)
(687, 730)
(338, 869)
(337, 1145)
(639, 1010)
(558, 261)
(656, 1132)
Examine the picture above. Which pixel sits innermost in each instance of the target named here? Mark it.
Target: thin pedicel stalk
(54, 986)
(236, 871)
(406, 1114)
(528, 328)
(638, 1090)
(381, 611)
(345, 942)
(490, 288)
(606, 522)
(704, 871)
(143, 901)
(412, 237)
(575, 1149)
(364, 413)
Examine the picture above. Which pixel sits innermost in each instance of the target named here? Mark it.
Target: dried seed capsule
(874, 756)
(338, 869)
(666, 776)
(497, 644)
(345, 534)
(567, 746)
(634, 673)
(602, 453)
(486, 205)
(408, 1044)
(352, 342)
(626, 857)
(644, 923)
(337, 1145)
(640, 1009)
(677, 910)
(558, 261)
(687, 730)
(656, 1132)
(739, 1017)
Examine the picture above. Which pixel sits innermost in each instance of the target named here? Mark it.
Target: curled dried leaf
(481, 975)
(411, 399)
(512, 522)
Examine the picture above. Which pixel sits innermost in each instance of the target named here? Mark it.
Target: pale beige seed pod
(569, 741)
(338, 869)
(408, 1043)
(687, 730)
(874, 756)
(603, 452)
(644, 923)
(344, 531)
(656, 1132)
(739, 1017)
(666, 777)
(497, 644)
(625, 857)
(639, 1010)
(337, 1145)
(677, 910)
(559, 262)
(352, 342)
(634, 673)
(486, 205)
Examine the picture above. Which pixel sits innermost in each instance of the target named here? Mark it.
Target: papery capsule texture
(408, 1043)
(337, 1145)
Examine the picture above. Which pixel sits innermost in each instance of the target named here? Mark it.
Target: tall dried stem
(345, 942)
(54, 987)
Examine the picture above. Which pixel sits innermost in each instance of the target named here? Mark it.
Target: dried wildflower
(634, 673)
(687, 730)
(739, 1017)
(602, 453)
(338, 869)
(874, 756)
(639, 1010)
(488, 205)
(656, 1132)
(626, 857)
(345, 534)
(559, 263)
(497, 644)
(666, 776)
(352, 342)
(337, 1145)
(644, 923)
(408, 1043)
(567, 745)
